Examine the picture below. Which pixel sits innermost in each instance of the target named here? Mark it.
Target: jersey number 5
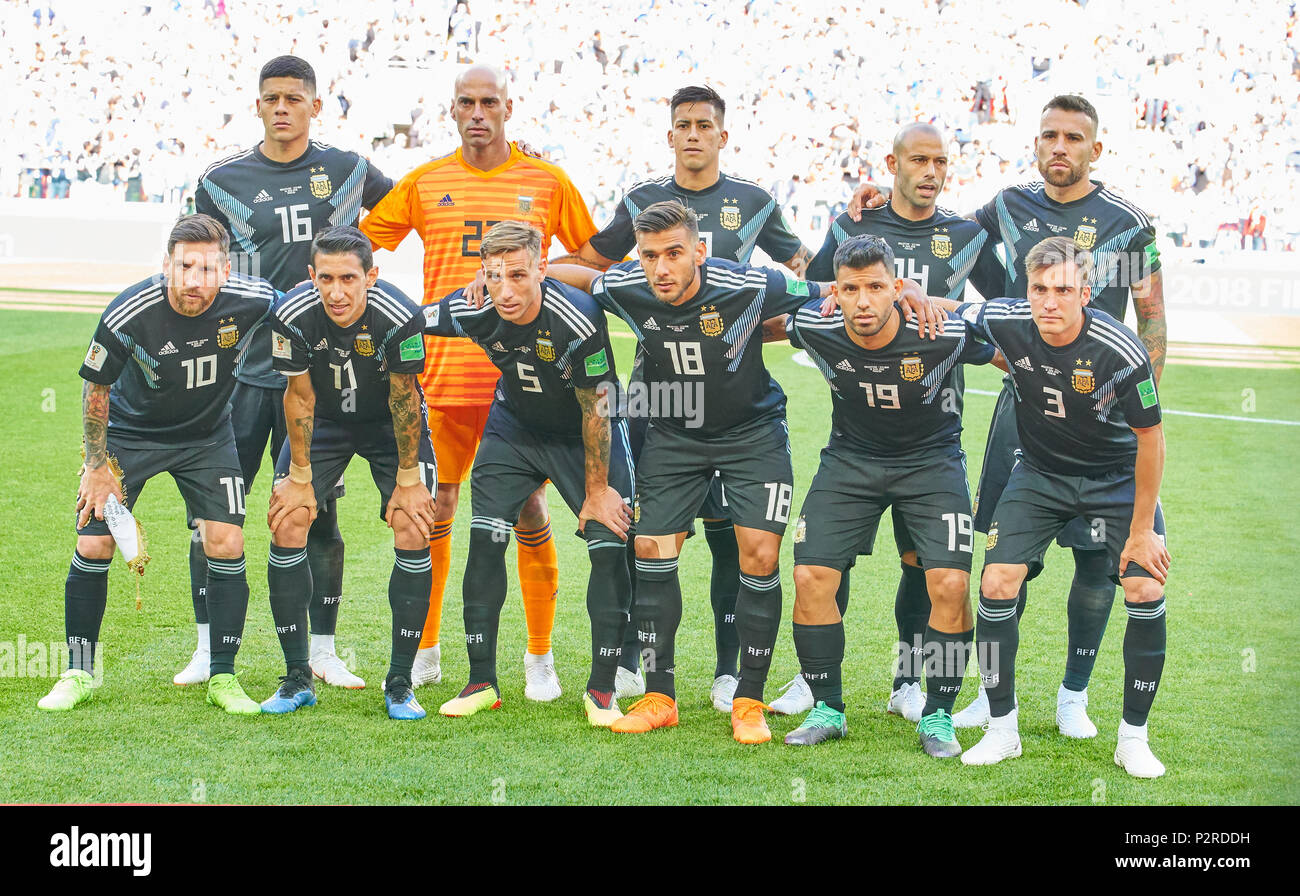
(526, 376)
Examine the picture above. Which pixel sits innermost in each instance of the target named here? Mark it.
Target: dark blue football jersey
(172, 375)
(349, 366)
(1119, 235)
(735, 216)
(1076, 405)
(273, 210)
(711, 345)
(565, 348)
(940, 253)
(902, 400)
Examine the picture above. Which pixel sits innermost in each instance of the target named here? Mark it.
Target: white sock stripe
(284, 562)
(1145, 612)
(764, 584)
(86, 565)
(593, 545)
(656, 565)
(993, 614)
(414, 566)
(490, 522)
(230, 567)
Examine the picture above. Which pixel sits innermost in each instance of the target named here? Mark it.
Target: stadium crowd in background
(1201, 122)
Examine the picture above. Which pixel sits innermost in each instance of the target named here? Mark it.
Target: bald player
(451, 202)
(1126, 263)
(939, 250)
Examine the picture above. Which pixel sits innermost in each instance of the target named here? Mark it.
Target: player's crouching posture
(551, 419)
(698, 320)
(159, 374)
(352, 348)
(1092, 447)
(895, 440)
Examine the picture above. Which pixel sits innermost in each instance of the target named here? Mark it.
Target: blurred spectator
(1199, 112)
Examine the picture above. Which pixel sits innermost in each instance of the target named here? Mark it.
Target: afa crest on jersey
(913, 369)
(729, 215)
(364, 344)
(227, 333)
(801, 530)
(544, 347)
(320, 184)
(993, 537)
(1082, 379)
(711, 321)
(1086, 235)
(524, 204)
(940, 245)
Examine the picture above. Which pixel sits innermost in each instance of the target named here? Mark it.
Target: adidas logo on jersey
(1032, 226)
(322, 345)
(1024, 364)
(650, 324)
(262, 196)
(498, 347)
(844, 365)
(446, 200)
(167, 349)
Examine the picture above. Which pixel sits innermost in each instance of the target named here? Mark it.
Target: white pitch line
(802, 359)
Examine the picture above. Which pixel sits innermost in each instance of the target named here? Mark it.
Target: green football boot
(938, 738)
(821, 724)
(224, 691)
(74, 687)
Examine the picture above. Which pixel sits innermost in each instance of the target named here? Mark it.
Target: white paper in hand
(121, 524)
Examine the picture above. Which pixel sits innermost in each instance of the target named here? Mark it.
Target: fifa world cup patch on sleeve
(431, 315)
(596, 364)
(1147, 392)
(796, 287)
(411, 348)
(95, 356)
(281, 347)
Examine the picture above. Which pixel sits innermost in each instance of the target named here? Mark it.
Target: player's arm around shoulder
(576, 275)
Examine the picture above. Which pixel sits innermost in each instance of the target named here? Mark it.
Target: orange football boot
(747, 723)
(652, 711)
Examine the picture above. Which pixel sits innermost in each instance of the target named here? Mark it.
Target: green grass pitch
(1224, 723)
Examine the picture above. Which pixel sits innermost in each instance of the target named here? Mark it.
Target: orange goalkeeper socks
(539, 579)
(440, 557)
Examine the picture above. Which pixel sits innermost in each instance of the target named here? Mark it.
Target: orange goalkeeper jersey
(451, 204)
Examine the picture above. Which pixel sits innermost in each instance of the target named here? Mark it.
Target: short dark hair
(198, 228)
(666, 215)
(289, 67)
(698, 95)
(343, 240)
(1072, 102)
(863, 251)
